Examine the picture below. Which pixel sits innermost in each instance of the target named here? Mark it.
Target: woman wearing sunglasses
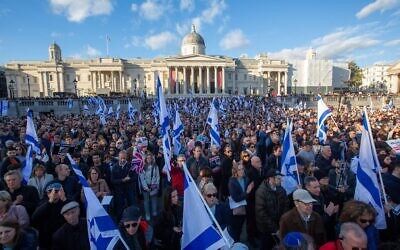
(364, 215)
(220, 210)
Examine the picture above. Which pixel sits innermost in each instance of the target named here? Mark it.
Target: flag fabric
(323, 113)
(367, 187)
(289, 164)
(131, 112)
(100, 113)
(4, 106)
(86, 108)
(177, 131)
(118, 110)
(137, 163)
(102, 232)
(165, 126)
(70, 103)
(31, 137)
(27, 170)
(212, 120)
(198, 230)
(110, 111)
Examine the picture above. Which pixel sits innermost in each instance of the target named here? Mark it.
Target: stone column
(120, 87)
(201, 79)
(223, 80)
(91, 79)
(279, 83)
(208, 81)
(215, 80)
(176, 81)
(184, 81)
(285, 81)
(234, 82)
(62, 87)
(192, 79)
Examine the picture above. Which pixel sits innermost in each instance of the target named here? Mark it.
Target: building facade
(376, 76)
(393, 83)
(193, 72)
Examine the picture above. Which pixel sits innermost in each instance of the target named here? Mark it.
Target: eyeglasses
(363, 221)
(134, 224)
(212, 195)
(246, 156)
(55, 191)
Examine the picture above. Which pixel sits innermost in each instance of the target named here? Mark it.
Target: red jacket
(331, 245)
(177, 177)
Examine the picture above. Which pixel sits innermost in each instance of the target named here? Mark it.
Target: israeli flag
(110, 111)
(27, 170)
(70, 103)
(323, 113)
(164, 123)
(102, 232)
(289, 164)
(118, 111)
(177, 131)
(4, 106)
(367, 187)
(131, 112)
(198, 230)
(31, 137)
(86, 108)
(212, 120)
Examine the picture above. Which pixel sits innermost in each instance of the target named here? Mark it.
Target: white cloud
(183, 28)
(222, 26)
(55, 34)
(160, 41)
(76, 56)
(134, 7)
(216, 8)
(393, 43)
(79, 10)
(187, 5)
(338, 44)
(234, 39)
(92, 52)
(377, 5)
(135, 41)
(152, 10)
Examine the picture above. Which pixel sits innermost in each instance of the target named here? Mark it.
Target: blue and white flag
(177, 131)
(100, 113)
(198, 230)
(212, 120)
(102, 232)
(165, 126)
(118, 111)
(4, 106)
(31, 137)
(323, 113)
(289, 164)
(27, 170)
(131, 112)
(70, 103)
(86, 108)
(367, 187)
(110, 111)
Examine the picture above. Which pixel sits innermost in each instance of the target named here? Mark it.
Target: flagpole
(374, 150)
(205, 204)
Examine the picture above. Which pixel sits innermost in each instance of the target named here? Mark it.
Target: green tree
(356, 75)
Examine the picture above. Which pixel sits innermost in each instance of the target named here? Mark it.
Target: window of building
(138, 77)
(78, 78)
(88, 77)
(50, 77)
(236, 76)
(67, 76)
(230, 76)
(194, 50)
(148, 77)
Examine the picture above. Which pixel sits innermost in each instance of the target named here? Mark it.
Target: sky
(365, 31)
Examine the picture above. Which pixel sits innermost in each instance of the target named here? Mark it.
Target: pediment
(394, 69)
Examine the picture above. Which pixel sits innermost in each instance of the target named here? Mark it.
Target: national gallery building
(193, 72)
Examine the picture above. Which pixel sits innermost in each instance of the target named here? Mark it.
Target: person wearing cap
(135, 231)
(271, 203)
(303, 219)
(47, 217)
(73, 234)
(297, 241)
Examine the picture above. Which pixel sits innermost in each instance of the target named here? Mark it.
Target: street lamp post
(11, 88)
(295, 86)
(76, 87)
(29, 87)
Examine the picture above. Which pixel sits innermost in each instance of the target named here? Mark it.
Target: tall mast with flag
(165, 126)
(367, 187)
(323, 113)
(289, 164)
(108, 40)
(212, 120)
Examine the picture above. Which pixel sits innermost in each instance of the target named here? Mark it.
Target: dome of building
(193, 43)
(54, 46)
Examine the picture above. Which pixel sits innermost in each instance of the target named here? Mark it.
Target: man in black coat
(73, 234)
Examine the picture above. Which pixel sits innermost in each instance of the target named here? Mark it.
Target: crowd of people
(240, 181)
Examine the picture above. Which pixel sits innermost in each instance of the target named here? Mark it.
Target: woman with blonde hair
(150, 183)
(14, 212)
(39, 179)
